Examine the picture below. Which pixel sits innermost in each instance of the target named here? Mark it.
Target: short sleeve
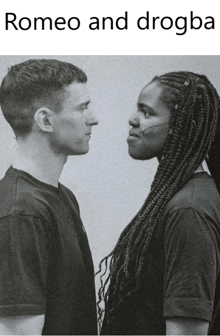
(23, 265)
(191, 265)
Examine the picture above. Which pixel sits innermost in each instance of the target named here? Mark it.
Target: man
(47, 276)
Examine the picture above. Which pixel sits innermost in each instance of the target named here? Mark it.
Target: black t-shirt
(181, 275)
(45, 259)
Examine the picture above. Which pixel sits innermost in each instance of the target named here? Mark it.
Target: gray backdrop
(109, 185)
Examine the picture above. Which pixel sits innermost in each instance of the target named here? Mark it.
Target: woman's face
(150, 124)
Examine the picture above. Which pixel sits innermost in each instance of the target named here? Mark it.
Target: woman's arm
(186, 326)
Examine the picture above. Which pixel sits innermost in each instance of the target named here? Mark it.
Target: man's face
(149, 125)
(72, 126)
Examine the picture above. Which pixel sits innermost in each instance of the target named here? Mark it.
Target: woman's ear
(42, 118)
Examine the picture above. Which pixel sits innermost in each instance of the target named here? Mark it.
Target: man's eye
(84, 108)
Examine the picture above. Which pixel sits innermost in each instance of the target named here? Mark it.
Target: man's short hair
(33, 84)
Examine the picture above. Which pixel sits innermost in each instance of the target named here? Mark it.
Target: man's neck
(40, 162)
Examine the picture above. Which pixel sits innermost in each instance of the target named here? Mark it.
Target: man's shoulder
(22, 193)
(19, 194)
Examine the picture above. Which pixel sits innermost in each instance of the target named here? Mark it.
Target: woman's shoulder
(199, 193)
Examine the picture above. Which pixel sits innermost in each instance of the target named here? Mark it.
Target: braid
(193, 136)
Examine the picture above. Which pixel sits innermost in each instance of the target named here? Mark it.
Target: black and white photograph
(109, 165)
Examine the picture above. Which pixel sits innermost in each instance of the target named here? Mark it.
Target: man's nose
(92, 120)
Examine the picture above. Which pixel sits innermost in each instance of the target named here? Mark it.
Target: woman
(163, 273)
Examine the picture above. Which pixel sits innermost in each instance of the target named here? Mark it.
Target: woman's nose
(134, 120)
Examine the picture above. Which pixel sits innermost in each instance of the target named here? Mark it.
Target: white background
(110, 42)
(108, 184)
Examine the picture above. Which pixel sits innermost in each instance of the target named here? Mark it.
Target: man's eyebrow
(84, 104)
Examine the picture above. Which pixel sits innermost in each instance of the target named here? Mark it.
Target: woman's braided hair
(192, 138)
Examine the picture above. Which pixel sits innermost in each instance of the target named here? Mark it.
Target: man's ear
(43, 118)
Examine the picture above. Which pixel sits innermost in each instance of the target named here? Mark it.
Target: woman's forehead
(150, 93)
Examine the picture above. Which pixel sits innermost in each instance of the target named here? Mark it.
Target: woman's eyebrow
(142, 105)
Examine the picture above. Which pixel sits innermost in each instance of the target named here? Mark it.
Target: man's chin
(80, 152)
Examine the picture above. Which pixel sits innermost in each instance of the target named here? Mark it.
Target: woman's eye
(146, 113)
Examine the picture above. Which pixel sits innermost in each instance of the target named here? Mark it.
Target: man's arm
(186, 326)
(21, 325)
(23, 264)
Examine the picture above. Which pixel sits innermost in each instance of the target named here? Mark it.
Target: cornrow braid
(194, 135)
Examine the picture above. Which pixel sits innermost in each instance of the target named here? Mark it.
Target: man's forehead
(77, 92)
